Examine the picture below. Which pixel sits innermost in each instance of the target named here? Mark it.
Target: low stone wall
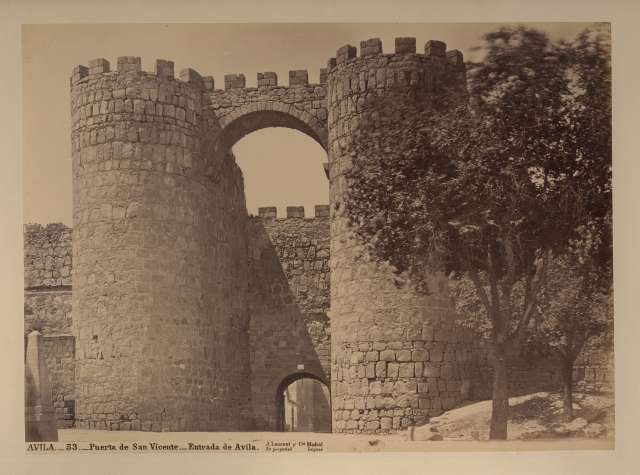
(593, 371)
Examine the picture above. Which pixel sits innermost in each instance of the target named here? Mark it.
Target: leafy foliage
(488, 186)
(572, 312)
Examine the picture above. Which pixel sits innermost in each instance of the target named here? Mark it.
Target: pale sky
(281, 167)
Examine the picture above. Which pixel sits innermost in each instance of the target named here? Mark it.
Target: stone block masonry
(241, 110)
(47, 279)
(47, 256)
(594, 369)
(48, 311)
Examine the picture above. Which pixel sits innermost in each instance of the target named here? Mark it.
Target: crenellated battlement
(164, 69)
(297, 77)
(132, 65)
(374, 70)
(353, 79)
(271, 212)
(403, 46)
(129, 104)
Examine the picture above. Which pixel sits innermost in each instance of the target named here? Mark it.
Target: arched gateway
(161, 252)
(303, 404)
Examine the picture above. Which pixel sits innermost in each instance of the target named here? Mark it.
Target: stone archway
(239, 124)
(240, 110)
(303, 404)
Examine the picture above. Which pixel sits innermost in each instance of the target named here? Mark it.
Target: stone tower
(158, 232)
(396, 357)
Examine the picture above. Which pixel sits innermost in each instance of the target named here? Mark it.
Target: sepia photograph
(319, 237)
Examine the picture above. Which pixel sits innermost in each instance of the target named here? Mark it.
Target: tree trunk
(567, 389)
(500, 407)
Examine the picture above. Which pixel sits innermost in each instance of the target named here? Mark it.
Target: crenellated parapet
(353, 79)
(192, 100)
(271, 212)
(130, 118)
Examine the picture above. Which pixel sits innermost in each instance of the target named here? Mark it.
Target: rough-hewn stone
(47, 256)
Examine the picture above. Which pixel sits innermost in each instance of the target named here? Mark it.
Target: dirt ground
(534, 416)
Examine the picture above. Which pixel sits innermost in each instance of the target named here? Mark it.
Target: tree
(489, 184)
(575, 309)
(578, 296)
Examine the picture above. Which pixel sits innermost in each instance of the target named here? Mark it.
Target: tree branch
(538, 280)
(475, 278)
(493, 284)
(510, 278)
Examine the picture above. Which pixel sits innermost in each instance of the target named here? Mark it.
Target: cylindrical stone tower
(158, 253)
(397, 357)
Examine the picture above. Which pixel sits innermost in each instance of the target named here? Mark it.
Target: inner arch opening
(303, 404)
(253, 121)
(282, 167)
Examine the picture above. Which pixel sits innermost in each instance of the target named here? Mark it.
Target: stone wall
(48, 311)
(47, 279)
(289, 304)
(47, 256)
(47, 304)
(593, 371)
